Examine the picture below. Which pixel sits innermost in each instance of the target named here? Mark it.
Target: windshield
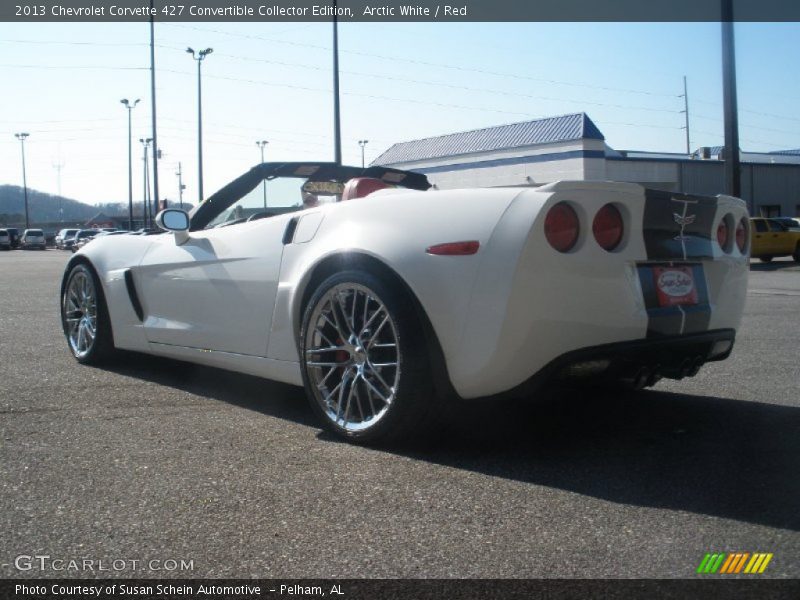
(289, 186)
(278, 195)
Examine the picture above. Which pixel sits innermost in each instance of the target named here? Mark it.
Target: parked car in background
(70, 241)
(83, 237)
(772, 238)
(5, 240)
(62, 236)
(788, 222)
(33, 238)
(13, 235)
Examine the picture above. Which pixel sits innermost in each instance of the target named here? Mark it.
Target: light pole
(337, 120)
(261, 145)
(130, 106)
(21, 137)
(199, 57)
(146, 217)
(362, 143)
(181, 187)
(730, 104)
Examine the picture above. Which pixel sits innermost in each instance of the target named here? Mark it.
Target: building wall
(763, 184)
(580, 159)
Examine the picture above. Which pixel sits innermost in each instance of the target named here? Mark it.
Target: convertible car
(381, 296)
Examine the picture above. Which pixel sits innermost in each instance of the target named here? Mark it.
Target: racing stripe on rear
(678, 319)
(678, 226)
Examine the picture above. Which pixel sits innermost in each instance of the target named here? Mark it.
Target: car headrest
(358, 187)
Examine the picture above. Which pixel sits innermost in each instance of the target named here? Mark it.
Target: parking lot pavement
(154, 459)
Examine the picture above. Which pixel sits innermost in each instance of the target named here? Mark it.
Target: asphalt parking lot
(156, 460)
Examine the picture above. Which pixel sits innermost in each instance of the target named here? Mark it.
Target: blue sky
(399, 82)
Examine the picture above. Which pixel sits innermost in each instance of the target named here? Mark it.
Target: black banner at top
(394, 11)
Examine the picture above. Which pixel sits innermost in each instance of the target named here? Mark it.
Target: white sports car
(380, 296)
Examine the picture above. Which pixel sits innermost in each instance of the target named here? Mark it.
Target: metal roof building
(573, 147)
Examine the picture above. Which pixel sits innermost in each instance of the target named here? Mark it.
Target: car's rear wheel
(364, 359)
(84, 317)
(796, 254)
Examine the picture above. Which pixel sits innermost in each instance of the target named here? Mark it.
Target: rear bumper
(640, 361)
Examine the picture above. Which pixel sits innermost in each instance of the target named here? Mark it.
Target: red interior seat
(358, 187)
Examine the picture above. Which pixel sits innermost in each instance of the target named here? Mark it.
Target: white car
(380, 297)
(62, 237)
(33, 238)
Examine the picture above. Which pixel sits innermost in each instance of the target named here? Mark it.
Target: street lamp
(261, 145)
(199, 57)
(21, 137)
(130, 106)
(362, 143)
(145, 145)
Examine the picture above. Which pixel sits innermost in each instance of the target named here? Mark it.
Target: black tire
(411, 409)
(796, 254)
(765, 258)
(101, 348)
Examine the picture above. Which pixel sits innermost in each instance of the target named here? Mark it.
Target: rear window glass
(35, 232)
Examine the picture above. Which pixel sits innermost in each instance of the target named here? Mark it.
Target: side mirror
(175, 220)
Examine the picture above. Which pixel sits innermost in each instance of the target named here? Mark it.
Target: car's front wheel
(84, 316)
(364, 359)
(765, 258)
(796, 253)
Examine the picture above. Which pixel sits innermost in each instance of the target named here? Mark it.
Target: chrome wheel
(352, 356)
(80, 312)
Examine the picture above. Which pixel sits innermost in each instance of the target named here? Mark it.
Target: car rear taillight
(561, 227)
(608, 227)
(741, 235)
(723, 232)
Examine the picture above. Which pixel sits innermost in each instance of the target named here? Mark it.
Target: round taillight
(741, 235)
(607, 227)
(561, 227)
(722, 234)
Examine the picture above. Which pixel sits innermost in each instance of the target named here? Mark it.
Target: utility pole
(58, 166)
(156, 155)
(146, 216)
(199, 58)
(181, 187)
(130, 106)
(362, 143)
(733, 179)
(261, 145)
(337, 124)
(21, 137)
(685, 111)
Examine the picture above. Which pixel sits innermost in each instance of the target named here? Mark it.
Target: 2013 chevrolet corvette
(379, 295)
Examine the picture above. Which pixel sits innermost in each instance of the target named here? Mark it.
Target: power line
(61, 67)
(428, 63)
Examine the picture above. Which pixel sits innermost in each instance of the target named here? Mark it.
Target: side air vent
(131, 287)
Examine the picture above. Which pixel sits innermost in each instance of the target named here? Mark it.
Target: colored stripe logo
(731, 563)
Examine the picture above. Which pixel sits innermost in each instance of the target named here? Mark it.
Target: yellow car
(772, 238)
